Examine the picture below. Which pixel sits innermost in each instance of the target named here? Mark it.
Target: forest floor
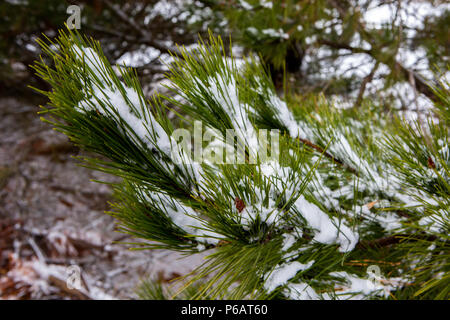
(52, 218)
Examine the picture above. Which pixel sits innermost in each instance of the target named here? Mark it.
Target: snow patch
(283, 273)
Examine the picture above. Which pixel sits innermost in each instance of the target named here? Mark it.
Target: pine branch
(278, 228)
(328, 155)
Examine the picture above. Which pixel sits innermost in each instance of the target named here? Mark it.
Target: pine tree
(347, 204)
(339, 48)
(126, 26)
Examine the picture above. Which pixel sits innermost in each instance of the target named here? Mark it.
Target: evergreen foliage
(351, 189)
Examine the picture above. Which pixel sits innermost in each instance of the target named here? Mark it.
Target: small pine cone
(240, 205)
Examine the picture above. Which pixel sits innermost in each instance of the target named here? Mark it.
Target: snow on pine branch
(377, 177)
(119, 102)
(326, 230)
(225, 94)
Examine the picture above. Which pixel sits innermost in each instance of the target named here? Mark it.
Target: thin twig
(367, 79)
(387, 241)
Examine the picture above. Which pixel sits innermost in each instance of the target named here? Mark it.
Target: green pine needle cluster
(351, 189)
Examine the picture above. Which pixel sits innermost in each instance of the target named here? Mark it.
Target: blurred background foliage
(350, 50)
